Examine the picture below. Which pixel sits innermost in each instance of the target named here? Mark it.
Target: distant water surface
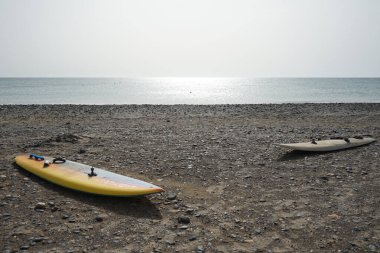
(188, 90)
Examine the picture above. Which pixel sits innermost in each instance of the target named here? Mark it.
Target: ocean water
(188, 90)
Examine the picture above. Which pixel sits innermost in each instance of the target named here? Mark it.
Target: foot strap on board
(37, 157)
(341, 138)
(59, 160)
(336, 138)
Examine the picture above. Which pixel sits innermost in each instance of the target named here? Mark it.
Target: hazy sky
(229, 38)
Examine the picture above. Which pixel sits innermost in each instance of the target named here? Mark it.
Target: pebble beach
(228, 188)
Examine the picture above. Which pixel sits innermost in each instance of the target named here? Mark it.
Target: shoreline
(218, 166)
(252, 104)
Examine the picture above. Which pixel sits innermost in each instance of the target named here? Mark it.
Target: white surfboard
(328, 145)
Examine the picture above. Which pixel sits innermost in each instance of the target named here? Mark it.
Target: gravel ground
(227, 187)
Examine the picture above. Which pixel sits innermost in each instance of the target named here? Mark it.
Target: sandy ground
(228, 188)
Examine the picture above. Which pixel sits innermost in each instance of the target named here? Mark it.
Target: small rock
(333, 216)
(82, 151)
(171, 196)
(100, 217)
(25, 247)
(38, 239)
(170, 242)
(40, 205)
(349, 169)
(372, 248)
(200, 249)
(70, 138)
(22, 231)
(184, 220)
(192, 238)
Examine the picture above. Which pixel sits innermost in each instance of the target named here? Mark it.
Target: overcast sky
(192, 38)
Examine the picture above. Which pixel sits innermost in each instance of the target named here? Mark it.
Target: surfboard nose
(155, 189)
(158, 189)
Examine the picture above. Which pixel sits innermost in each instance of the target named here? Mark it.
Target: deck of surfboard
(76, 176)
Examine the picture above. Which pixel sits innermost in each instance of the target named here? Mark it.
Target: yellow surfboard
(84, 178)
